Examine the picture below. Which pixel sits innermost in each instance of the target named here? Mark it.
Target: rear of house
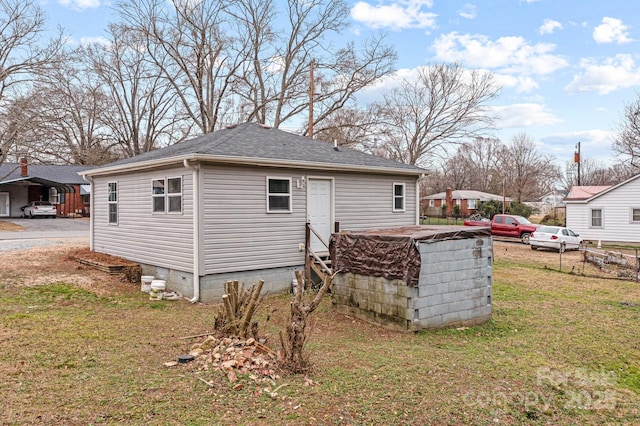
(606, 213)
(199, 216)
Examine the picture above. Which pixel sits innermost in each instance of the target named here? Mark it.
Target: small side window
(157, 193)
(112, 200)
(398, 197)
(278, 195)
(596, 218)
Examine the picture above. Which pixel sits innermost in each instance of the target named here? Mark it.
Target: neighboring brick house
(468, 200)
(21, 183)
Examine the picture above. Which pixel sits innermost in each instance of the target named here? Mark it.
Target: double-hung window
(596, 218)
(112, 200)
(398, 197)
(167, 195)
(635, 215)
(278, 195)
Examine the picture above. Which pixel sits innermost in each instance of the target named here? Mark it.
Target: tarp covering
(392, 253)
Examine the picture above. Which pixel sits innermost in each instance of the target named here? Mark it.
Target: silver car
(39, 208)
(558, 238)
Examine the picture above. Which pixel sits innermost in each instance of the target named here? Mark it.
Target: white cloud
(396, 15)
(80, 4)
(611, 30)
(614, 73)
(468, 11)
(91, 40)
(521, 84)
(523, 115)
(549, 26)
(595, 143)
(508, 54)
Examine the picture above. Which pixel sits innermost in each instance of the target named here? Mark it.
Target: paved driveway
(43, 232)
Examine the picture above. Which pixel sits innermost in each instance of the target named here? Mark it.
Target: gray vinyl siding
(616, 208)
(159, 239)
(366, 201)
(239, 234)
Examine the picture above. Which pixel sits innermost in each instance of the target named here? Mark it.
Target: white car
(39, 208)
(558, 238)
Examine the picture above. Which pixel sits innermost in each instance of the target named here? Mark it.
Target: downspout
(418, 201)
(196, 229)
(91, 225)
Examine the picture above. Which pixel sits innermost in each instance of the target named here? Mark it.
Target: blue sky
(567, 68)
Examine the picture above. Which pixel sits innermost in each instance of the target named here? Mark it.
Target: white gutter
(91, 216)
(196, 229)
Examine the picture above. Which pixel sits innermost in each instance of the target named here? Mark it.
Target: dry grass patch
(560, 349)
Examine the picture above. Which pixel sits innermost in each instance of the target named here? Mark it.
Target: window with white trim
(471, 204)
(457, 201)
(166, 195)
(398, 197)
(278, 195)
(596, 218)
(635, 215)
(432, 203)
(112, 200)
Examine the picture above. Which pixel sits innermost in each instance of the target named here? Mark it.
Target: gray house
(234, 204)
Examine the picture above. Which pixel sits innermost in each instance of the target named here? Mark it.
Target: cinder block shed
(413, 278)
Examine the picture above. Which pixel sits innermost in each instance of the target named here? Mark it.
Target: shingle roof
(253, 141)
(65, 174)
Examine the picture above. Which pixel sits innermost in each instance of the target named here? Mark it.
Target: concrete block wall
(454, 288)
(455, 285)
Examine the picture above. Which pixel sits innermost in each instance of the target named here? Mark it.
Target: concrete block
(461, 305)
(452, 318)
(430, 290)
(436, 299)
(438, 310)
(390, 287)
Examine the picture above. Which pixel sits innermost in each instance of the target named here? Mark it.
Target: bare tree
(24, 54)
(143, 110)
(595, 173)
(479, 161)
(68, 108)
(188, 43)
(527, 174)
(627, 141)
(274, 83)
(443, 106)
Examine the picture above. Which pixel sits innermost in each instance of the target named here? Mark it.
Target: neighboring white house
(605, 213)
(233, 204)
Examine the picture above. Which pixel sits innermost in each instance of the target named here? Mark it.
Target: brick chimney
(24, 170)
(449, 201)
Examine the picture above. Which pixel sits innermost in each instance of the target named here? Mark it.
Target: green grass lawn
(560, 349)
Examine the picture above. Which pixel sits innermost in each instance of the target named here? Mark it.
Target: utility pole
(576, 159)
(311, 100)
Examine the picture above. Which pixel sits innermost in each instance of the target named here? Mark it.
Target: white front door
(319, 210)
(4, 204)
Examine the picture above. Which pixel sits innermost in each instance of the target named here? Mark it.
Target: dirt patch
(50, 264)
(10, 227)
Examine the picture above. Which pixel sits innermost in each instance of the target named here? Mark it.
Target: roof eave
(249, 161)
